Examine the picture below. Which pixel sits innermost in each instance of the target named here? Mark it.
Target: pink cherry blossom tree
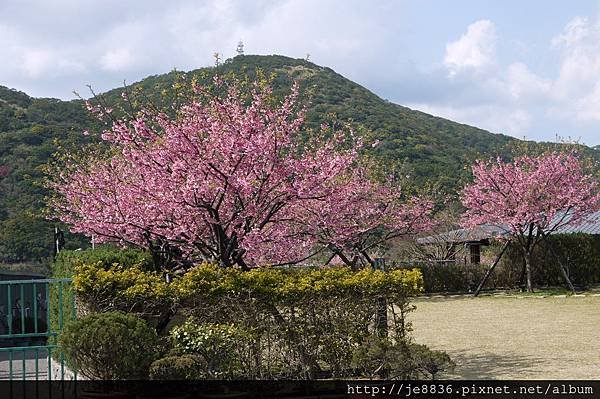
(358, 219)
(227, 178)
(530, 198)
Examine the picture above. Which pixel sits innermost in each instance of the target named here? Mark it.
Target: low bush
(302, 323)
(215, 344)
(109, 346)
(430, 363)
(384, 358)
(378, 357)
(133, 290)
(177, 367)
(266, 323)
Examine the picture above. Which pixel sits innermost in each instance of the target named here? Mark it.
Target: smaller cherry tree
(530, 198)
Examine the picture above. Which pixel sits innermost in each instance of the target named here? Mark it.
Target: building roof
(474, 234)
(591, 225)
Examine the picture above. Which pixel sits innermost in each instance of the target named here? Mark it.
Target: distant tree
(240, 48)
(530, 198)
(227, 178)
(217, 58)
(22, 238)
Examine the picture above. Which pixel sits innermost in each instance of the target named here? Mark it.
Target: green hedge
(580, 253)
(299, 322)
(109, 346)
(64, 265)
(450, 277)
(128, 289)
(211, 282)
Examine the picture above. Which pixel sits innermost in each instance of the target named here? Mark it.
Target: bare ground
(513, 338)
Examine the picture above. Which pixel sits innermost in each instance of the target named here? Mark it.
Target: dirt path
(513, 338)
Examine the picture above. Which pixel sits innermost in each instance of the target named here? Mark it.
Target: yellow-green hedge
(102, 287)
(128, 289)
(214, 281)
(298, 320)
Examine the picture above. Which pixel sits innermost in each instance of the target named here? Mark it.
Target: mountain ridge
(426, 148)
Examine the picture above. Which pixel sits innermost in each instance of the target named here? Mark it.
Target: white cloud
(36, 62)
(524, 85)
(129, 41)
(485, 93)
(39, 63)
(588, 108)
(474, 50)
(117, 60)
(493, 117)
(576, 88)
(575, 31)
(511, 98)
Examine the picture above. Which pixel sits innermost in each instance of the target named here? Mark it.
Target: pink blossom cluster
(233, 181)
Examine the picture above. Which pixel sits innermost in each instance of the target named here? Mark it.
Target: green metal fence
(32, 314)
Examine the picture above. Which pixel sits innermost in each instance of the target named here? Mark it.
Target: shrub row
(116, 346)
(580, 253)
(301, 323)
(65, 262)
(265, 323)
(64, 266)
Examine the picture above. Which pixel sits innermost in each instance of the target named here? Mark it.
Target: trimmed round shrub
(109, 346)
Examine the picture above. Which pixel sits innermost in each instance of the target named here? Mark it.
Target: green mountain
(427, 148)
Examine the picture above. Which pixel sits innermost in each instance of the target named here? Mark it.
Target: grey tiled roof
(591, 225)
(464, 235)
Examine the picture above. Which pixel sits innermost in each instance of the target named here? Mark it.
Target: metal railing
(32, 314)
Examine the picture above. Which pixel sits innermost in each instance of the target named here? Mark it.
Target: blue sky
(529, 69)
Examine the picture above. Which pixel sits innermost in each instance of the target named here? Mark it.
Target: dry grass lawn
(513, 338)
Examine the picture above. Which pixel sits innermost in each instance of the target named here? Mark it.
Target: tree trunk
(528, 270)
(381, 320)
(313, 368)
(164, 321)
(491, 269)
(522, 275)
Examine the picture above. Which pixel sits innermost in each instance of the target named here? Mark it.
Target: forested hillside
(424, 147)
